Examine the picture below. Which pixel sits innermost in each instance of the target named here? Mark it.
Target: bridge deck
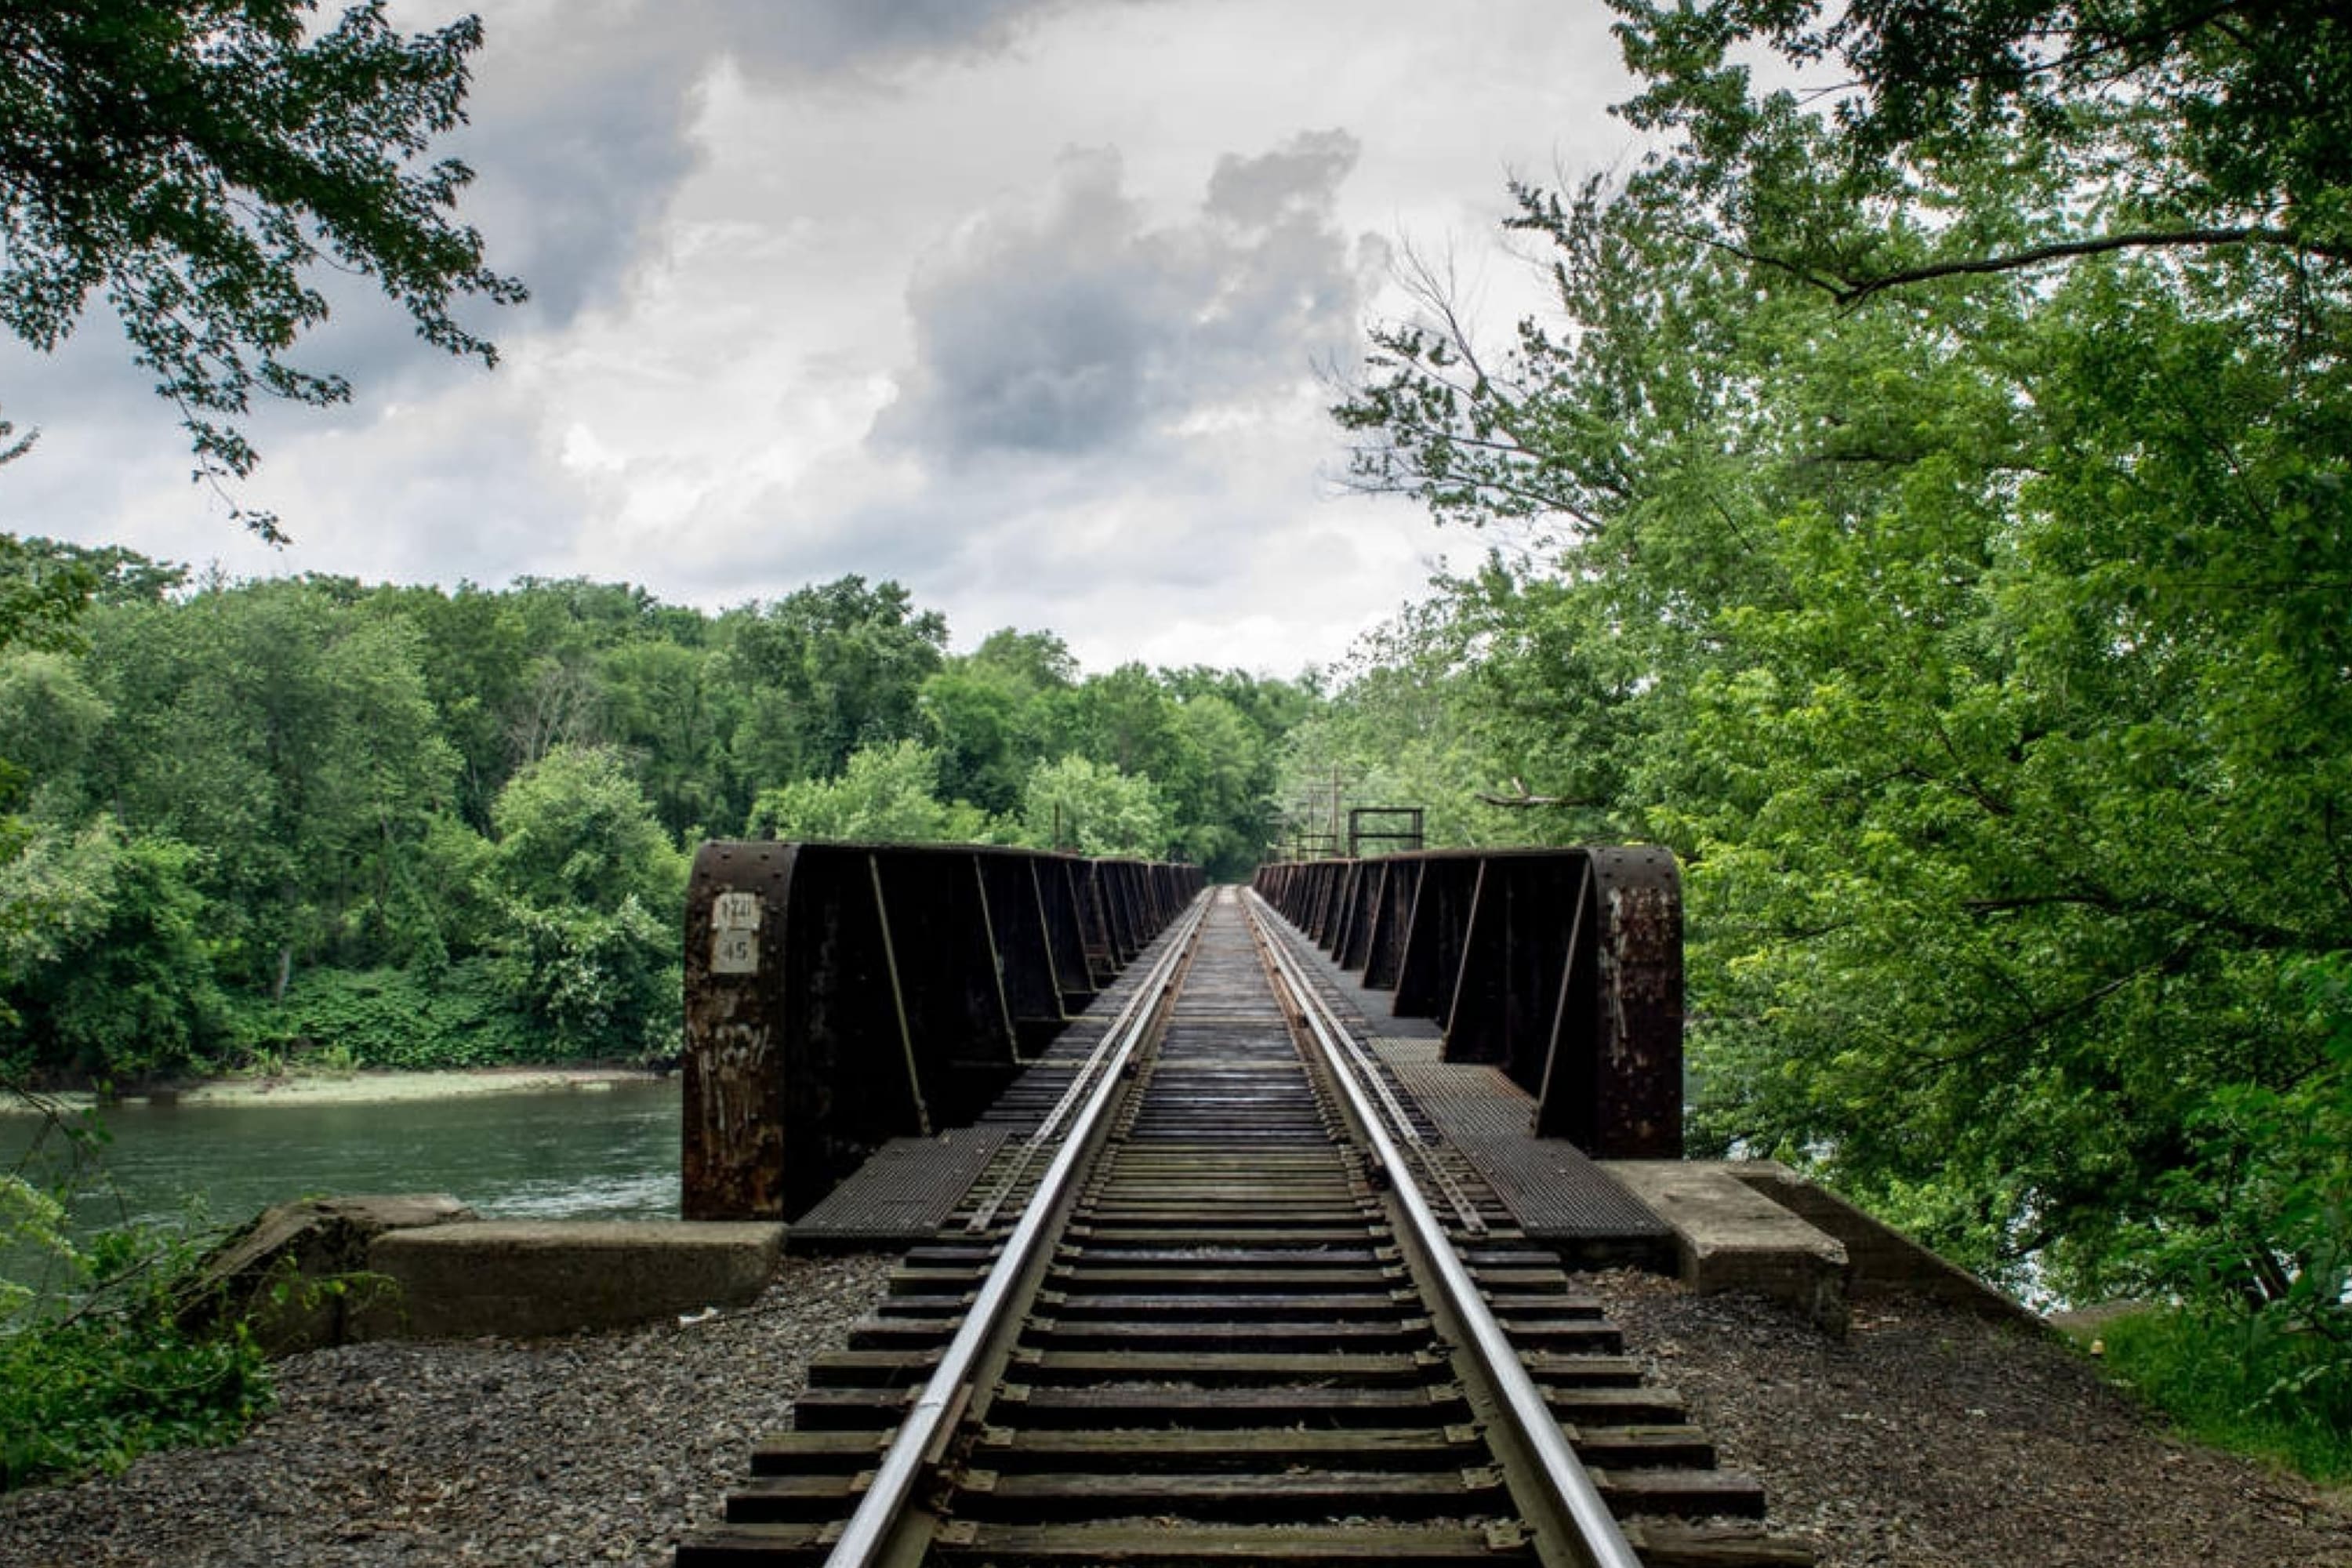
(1560, 1198)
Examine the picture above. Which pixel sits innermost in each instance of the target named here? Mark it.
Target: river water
(609, 1153)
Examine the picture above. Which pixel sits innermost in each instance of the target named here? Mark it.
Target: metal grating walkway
(904, 1192)
(1558, 1195)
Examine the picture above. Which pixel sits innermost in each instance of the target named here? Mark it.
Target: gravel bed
(1927, 1440)
(1930, 1438)
(599, 1448)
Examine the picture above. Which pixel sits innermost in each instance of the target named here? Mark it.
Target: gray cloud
(583, 114)
(821, 36)
(1070, 329)
(579, 138)
(581, 130)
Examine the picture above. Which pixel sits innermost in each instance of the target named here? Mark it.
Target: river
(606, 1152)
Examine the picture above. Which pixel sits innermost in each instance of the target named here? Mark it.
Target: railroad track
(1232, 1303)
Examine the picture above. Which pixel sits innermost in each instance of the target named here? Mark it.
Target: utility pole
(1337, 783)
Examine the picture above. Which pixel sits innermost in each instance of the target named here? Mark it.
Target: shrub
(2225, 1380)
(334, 1019)
(92, 1378)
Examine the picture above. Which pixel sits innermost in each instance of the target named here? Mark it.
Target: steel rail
(868, 1529)
(1398, 1118)
(1595, 1537)
(986, 1214)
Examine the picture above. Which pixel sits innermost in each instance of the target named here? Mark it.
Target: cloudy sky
(1028, 304)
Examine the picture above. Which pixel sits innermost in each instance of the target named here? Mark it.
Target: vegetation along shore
(374, 1088)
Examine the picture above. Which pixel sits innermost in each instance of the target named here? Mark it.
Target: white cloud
(821, 287)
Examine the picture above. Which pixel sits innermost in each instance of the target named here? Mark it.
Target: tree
(1123, 720)
(1216, 786)
(590, 894)
(197, 161)
(111, 980)
(1036, 661)
(998, 711)
(41, 592)
(1428, 712)
(1928, 510)
(292, 738)
(2180, 126)
(40, 597)
(887, 794)
(661, 708)
(575, 830)
(981, 723)
(826, 670)
(52, 720)
(1094, 808)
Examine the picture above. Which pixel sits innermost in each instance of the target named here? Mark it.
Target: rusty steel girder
(1561, 967)
(1614, 1081)
(838, 995)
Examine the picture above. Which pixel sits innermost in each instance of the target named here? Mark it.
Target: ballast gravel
(1926, 1438)
(599, 1448)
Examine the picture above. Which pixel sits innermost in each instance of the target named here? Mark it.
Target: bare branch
(1524, 799)
(1854, 293)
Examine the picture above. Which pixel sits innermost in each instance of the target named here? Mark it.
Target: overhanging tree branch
(1853, 292)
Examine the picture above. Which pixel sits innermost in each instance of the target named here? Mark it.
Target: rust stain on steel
(838, 995)
(732, 1133)
(1640, 1047)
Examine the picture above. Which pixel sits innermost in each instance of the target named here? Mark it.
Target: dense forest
(313, 822)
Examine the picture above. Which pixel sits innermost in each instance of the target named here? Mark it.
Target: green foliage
(885, 795)
(416, 827)
(196, 162)
(2226, 1381)
(97, 1391)
(1927, 510)
(32, 1226)
(1075, 803)
(590, 910)
(2190, 113)
(53, 721)
(992, 716)
(287, 733)
(830, 670)
(109, 976)
(97, 1374)
(41, 591)
(574, 828)
(332, 1020)
(2261, 1241)
(602, 983)
(1454, 706)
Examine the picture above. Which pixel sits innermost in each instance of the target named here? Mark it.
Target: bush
(2259, 1255)
(598, 984)
(2226, 1381)
(331, 1019)
(94, 1379)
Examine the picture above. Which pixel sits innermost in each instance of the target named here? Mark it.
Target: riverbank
(362, 1088)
